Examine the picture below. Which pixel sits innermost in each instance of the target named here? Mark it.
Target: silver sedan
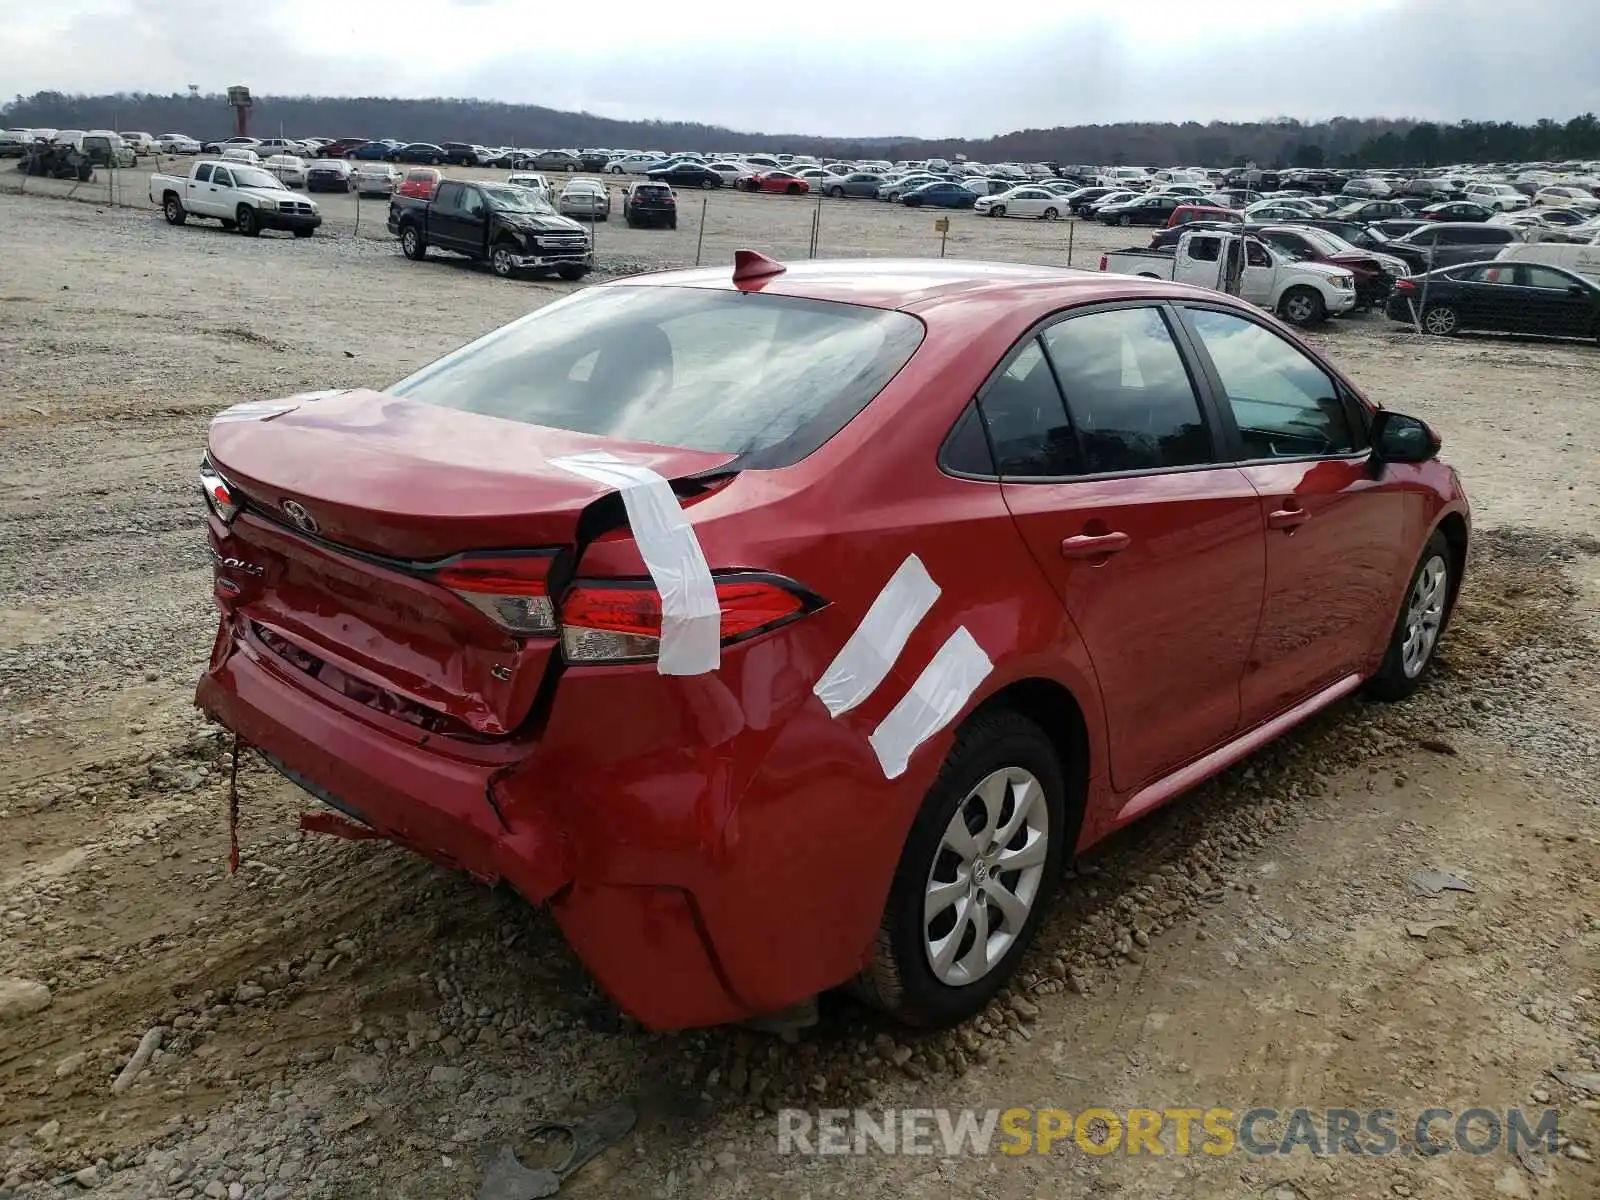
(585, 198)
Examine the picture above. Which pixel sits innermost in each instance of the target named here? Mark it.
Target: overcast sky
(843, 67)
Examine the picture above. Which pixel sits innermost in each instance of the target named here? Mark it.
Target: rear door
(448, 224)
(1154, 548)
(1489, 298)
(1333, 531)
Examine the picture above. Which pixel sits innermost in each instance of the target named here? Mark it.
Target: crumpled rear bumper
(645, 945)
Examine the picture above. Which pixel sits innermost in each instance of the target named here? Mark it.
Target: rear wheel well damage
(1055, 710)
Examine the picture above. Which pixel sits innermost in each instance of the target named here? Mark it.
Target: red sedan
(785, 627)
(777, 181)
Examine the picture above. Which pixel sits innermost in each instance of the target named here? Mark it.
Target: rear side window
(768, 378)
(1026, 420)
(1128, 391)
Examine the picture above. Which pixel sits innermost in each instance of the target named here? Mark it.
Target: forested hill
(1338, 142)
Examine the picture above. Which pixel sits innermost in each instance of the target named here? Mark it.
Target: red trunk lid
(349, 500)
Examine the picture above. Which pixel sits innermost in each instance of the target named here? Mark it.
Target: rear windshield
(766, 378)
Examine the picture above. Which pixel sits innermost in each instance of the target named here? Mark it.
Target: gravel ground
(341, 1020)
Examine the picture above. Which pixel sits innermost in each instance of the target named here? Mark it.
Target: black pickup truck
(511, 228)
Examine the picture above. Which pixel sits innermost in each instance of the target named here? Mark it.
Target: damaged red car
(784, 628)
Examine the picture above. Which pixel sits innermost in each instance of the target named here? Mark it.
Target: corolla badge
(234, 564)
(297, 513)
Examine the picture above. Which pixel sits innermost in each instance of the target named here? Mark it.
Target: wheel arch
(1456, 535)
(1051, 706)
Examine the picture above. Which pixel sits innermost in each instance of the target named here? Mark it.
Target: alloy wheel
(1298, 309)
(1440, 321)
(986, 876)
(1424, 615)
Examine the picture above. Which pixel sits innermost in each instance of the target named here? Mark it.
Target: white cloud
(841, 67)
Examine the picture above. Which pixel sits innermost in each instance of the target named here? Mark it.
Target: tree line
(1281, 142)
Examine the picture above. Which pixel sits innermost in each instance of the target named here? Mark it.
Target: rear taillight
(510, 589)
(219, 494)
(1103, 262)
(604, 621)
(1404, 285)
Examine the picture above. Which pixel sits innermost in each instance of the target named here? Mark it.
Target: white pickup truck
(1583, 258)
(1302, 293)
(240, 196)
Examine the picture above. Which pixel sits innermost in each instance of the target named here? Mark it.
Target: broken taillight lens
(219, 493)
(605, 621)
(510, 589)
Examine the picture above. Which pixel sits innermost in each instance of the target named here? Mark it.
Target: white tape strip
(938, 695)
(866, 659)
(691, 618)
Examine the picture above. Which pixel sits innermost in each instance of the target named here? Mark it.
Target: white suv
(1501, 197)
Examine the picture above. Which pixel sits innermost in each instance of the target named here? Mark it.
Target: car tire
(1302, 307)
(249, 225)
(303, 233)
(707, 185)
(1441, 320)
(672, 224)
(999, 210)
(999, 753)
(412, 244)
(793, 189)
(572, 272)
(1424, 613)
(836, 192)
(172, 209)
(500, 260)
(1051, 214)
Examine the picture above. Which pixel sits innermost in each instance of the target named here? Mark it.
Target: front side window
(1284, 403)
(1544, 277)
(1128, 392)
(768, 378)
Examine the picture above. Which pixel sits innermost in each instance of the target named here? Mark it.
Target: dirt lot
(340, 1020)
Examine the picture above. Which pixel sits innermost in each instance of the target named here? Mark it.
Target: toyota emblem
(297, 513)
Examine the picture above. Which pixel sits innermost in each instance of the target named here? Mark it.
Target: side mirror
(1577, 290)
(1397, 438)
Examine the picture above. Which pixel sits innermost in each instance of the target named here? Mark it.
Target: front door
(216, 196)
(1553, 306)
(1260, 276)
(1154, 549)
(1332, 528)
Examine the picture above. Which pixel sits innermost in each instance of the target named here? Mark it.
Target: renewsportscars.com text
(1260, 1132)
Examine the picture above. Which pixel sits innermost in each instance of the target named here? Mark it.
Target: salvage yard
(343, 1020)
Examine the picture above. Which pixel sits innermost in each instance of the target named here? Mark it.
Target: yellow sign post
(942, 228)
